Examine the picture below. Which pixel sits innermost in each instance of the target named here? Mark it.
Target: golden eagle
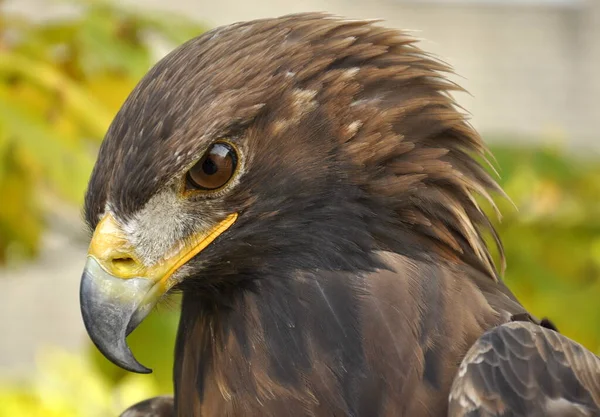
(310, 187)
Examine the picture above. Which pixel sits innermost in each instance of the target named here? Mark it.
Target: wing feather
(521, 369)
(161, 406)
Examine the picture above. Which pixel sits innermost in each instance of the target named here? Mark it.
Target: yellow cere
(114, 253)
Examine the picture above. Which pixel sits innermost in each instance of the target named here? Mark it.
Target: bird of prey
(311, 188)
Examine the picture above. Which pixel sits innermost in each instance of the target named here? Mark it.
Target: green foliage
(61, 83)
(552, 241)
(68, 385)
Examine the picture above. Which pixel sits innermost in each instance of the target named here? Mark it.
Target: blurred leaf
(83, 106)
(551, 242)
(98, 49)
(60, 164)
(69, 385)
(61, 83)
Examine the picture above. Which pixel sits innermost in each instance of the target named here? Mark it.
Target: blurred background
(532, 68)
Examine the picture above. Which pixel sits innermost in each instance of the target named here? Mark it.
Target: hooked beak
(118, 291)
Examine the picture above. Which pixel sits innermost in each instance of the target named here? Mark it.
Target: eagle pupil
(213, 170)
(209, 167)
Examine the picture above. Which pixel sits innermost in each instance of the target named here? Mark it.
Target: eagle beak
(118, 290)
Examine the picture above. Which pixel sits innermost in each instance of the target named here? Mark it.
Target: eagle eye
(214, 170)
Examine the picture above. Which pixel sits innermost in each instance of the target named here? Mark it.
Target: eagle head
(306, 142)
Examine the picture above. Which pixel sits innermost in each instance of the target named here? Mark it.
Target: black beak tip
(122, 357)
(132, 365)
(107, 324)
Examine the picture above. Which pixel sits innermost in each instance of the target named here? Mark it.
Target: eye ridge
(214, 170)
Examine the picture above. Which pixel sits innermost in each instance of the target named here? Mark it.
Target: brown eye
(214, 169)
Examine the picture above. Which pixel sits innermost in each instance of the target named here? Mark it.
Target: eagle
(310, 187)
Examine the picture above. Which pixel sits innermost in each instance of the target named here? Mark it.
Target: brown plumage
(356, 277)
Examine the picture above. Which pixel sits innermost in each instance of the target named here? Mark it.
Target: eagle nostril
(123, 264)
